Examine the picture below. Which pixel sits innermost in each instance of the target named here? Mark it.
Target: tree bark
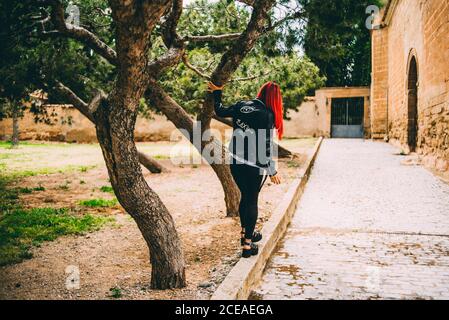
(115, 120)
(115, 126)
(152, 165)
(15, 128)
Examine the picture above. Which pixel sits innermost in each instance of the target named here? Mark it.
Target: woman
(251, 150)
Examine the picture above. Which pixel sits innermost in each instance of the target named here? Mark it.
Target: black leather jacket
(252, 139)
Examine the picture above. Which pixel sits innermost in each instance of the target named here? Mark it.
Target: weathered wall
(379, 82)
(79, 129)
(313, 118)
(305, 121)
(420, 28)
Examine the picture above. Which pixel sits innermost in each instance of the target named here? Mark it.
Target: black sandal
(247, 253)
(257, 236)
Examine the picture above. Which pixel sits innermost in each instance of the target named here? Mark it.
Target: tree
(337, 41)
(15, 84)
(114, 107)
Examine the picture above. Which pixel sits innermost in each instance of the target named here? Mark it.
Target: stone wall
(418, 28)
(379, 82)
(71, 126)
(305, 121)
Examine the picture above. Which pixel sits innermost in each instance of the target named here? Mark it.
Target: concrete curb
(245, 274)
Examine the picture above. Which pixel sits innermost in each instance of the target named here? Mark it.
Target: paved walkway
(367, 227)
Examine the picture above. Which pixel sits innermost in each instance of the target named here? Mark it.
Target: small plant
(161, 157)
(82, 182)
(116, 292)
(65, 186)
(99, 203)
(293, 164)
(107, 189)
(85, 168)
(25, 190)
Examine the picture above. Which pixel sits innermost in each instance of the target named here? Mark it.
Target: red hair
(270, 94)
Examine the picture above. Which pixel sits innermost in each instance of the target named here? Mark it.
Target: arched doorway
(412, 130)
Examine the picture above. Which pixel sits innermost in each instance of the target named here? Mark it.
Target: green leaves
(337, 40)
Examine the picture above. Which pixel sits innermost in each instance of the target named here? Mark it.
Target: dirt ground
(116, 256)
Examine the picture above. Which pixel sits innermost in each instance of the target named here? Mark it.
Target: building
(410, 78)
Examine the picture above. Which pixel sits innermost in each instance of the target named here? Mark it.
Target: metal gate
(347, 117)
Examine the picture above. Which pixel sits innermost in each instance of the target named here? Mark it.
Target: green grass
(21, 229)
(18, 174)
(27, 190)
(107, 189)
(99, 203)
(116, 292)
(161, 157)
(8, 196)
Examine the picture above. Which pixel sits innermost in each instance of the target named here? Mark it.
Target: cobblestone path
(367, 227)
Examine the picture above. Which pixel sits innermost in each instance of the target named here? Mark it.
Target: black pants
(249, 180)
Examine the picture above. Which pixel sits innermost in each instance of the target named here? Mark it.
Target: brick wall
(379, 83)
(417, 28)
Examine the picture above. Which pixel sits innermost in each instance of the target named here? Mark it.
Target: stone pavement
(367, 227)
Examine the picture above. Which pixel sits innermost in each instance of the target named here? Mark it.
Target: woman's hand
(275, 179)
(212, 87)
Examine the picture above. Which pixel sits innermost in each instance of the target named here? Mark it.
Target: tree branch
(175, 45)
(87, 109)
(169, 59)
(169, 33)
(202, 74)
(293, 16)
(250, 77)
(209, 38)
(194, 69)
(79, 33)
(74, 100)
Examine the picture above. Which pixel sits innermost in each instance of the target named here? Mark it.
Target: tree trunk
(152, 165)
(115, 120)
(115, 132)
(15, 128)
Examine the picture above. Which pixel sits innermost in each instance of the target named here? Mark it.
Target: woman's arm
(220, 110)
(271, 170)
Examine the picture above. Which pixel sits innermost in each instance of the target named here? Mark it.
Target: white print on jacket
(242, 125)
(247, 109)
